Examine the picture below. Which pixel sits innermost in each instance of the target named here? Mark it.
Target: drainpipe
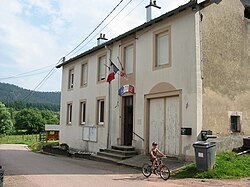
(110, 103)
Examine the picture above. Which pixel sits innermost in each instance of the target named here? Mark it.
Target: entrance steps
(115, 154)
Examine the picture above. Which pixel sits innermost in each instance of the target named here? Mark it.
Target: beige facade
(226, 57)
(181, 66)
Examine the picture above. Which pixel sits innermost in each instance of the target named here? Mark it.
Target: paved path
(26, 169)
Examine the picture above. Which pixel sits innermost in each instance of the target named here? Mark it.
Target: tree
(30, 120)
(5, 120)
(50, 117)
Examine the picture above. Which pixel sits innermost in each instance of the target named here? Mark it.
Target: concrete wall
(226, 56)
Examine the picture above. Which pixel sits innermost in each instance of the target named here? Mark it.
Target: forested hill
(19, 98)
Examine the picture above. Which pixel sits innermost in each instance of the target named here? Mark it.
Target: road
(27, 169)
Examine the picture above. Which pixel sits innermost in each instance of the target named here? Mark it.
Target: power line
(51, 71)
(94, 29)
(102, 28)
(128, 14)
(109, 23)
(49, 74)
(21, 76)
(27, 74)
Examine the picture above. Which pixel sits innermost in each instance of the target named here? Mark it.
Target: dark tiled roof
(190, 4)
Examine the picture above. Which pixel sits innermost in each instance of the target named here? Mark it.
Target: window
(82, 113)
(71, 79)
(129, 59)
(100, 105)
(69, 113)
(162, 48)
(247, 13)
(84, 74)
(235, 123)
(102, 68)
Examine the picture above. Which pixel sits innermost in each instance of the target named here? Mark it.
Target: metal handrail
(138, 136)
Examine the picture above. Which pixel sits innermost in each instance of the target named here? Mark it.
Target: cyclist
(154, 152)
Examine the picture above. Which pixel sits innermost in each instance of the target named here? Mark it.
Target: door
(172, 126)
(164, 125)
(128, 120)
(156, 128)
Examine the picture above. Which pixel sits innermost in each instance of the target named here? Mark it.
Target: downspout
(110, 103)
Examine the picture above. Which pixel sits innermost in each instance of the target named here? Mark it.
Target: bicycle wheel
(146, 170)
(165, 173)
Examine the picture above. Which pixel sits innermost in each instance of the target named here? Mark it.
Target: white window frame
(69, 113)
(102, 62)
(83, 112)
(71, 79)
(129, 62)
(99, 112)
(166, 32)
(84, 74)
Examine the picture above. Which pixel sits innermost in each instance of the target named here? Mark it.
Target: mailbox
(186, 131)
(207, 134)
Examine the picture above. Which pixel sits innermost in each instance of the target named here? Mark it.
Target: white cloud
(37, 33)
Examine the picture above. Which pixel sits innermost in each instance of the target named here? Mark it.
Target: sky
(36, 34)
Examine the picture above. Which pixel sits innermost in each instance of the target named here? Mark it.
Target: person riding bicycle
(154, 152)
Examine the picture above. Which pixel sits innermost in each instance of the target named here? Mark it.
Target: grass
(228, 166)
(19, 139)
(31, 140)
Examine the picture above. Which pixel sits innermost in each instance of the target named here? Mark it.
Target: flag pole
(109, 105)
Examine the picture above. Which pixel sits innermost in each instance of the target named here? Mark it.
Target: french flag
(112, 71)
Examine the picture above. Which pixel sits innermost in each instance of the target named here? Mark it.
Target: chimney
(101, 39)
(152, 10)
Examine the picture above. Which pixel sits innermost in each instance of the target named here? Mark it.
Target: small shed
(52, 131)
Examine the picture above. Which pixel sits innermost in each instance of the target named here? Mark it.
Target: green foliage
(15, 97)
(50, 117)
(228, 165)
(31, 140)
(6, 123)
(30, 120)
(39, 145)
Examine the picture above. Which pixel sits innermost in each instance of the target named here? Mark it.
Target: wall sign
(128, 88)
(89, 134)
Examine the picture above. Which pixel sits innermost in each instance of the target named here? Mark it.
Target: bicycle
(160, 169)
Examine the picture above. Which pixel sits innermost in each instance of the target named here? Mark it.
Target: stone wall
(226, 57)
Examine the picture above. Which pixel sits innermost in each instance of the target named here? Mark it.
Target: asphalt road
(27, 169)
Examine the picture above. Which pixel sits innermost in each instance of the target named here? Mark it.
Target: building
(52, 132)
(173, 89)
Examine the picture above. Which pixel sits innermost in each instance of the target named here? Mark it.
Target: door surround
(162, 90)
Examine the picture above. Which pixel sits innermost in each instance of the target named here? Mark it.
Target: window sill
(100, 125)
(161, 66)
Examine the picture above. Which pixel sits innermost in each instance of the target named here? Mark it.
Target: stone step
(123, 148)
(113, 155)
(120, 152)
(103, 159)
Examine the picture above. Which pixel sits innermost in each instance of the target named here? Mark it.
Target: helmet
(154, 143)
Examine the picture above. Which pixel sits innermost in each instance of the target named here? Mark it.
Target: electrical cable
(109, 23)
(102, 28)
(27, 73)
(127, 14)
(49, 74)
(94, 29)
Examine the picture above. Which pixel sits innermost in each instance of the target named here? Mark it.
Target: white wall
(182, 74)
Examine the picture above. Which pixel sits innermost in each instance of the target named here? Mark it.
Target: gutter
(191, 4)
